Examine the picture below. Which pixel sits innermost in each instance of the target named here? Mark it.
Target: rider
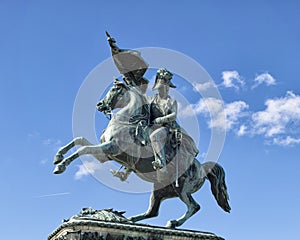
(163, 113)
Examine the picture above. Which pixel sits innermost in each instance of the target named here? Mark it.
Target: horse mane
(135, 111)
(143, 115)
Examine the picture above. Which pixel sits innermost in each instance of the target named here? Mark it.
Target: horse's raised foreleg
(101, 151)
(192, 206)
(59, 156)
(155, 201)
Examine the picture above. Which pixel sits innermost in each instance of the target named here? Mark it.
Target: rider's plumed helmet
(163, 77)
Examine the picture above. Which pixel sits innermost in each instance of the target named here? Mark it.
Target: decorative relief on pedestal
(108, 215)
(108, 224)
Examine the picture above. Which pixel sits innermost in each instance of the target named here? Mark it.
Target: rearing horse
(118, 144)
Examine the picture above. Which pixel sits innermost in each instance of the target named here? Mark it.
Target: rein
(108, 113)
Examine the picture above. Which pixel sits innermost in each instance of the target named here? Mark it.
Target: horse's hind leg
(59, 156)
(192, 206)
(155, 201)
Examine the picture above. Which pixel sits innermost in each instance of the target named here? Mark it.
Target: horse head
(116, 97)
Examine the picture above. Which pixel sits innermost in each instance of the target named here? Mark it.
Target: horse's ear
(118, 83)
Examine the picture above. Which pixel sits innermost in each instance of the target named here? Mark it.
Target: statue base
(117, 227)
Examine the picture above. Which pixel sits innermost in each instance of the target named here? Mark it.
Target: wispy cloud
(232, 79)
(221, 116)
(54, 195)
(43, 161)
(201, 87)
(264, 78)
(87, 168)
(33, 135)
(49, 145)
(286, 141)
(242, 130)
(52, 142)
(53, 145)
(48, 142)
(203, 106)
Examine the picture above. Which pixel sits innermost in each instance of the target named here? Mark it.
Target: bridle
(118, 93)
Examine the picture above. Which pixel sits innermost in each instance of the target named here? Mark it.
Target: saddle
(141, 137)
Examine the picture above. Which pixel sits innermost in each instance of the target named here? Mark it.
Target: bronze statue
(148, 128)
(163, 113)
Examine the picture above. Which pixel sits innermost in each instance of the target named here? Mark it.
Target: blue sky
(251, 51)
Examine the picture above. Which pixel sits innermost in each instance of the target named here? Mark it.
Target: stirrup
(157, 165)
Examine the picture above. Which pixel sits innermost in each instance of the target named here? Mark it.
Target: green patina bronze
(164, 153)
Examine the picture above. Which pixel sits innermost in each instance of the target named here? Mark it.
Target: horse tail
(216, 175)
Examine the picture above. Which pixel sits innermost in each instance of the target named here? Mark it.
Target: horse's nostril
(101, 106)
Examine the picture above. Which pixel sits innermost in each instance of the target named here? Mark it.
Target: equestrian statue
(144, 136)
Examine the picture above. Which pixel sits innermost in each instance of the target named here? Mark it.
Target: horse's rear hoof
(58, 158)
(171, 224)
(59, 169)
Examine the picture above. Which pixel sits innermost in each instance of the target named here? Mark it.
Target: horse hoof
(59, 169)
(171, 224)
(133, 219)
(58, 158)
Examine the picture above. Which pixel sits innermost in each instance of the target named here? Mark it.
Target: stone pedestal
(91, 228)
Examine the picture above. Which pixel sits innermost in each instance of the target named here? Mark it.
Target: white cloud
(264, 78)
(48, 142)
(205, 106)
(33, 135)
(201, 87)
(232, 79)
(88, 167)
(279, 113)
(214, 107)
(242, 130)
(278, 123)
(287, 141)
(234, 111)
(222, 116)
(44, 161)
(53, 142)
